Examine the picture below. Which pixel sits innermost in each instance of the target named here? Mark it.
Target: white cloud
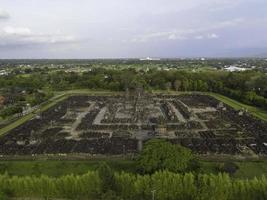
(10, 36)
(3, 14)
(217, 5)
(174, 36)
(199, 33)
(20, 31)
(199, 37)
(229, 23)
(164, 35)
(206, 36)
(136, 26)
(212, 36)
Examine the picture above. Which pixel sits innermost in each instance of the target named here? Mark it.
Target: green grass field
(59, 168)
(247, 169)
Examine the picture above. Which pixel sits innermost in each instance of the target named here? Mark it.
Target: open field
(59, 168)
(119, 123)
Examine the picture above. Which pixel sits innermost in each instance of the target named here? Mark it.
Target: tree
(177, 85)
(107, 178)
(3, 196)
(168, 85)
(11, 110)
(185, 85)
(162, 155)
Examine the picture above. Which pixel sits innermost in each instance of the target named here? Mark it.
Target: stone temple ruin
(121, 124)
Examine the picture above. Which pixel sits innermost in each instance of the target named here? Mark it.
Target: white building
(233, 68)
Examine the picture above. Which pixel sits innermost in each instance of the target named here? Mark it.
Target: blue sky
(132, 28)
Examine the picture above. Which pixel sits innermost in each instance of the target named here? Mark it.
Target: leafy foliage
(10, 110)
(107, 178)
(167, 185)
(161, 155)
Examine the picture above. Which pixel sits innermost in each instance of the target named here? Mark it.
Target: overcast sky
(132, 28)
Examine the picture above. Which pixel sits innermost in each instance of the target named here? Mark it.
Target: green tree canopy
(161, 155)
(107, 178)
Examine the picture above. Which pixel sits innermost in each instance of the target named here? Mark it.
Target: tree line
(249, 87)
(164, 185)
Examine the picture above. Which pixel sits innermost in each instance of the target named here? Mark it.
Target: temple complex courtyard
(121, 124)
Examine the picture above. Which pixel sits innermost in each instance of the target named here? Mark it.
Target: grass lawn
(247, 169)
(60, 168)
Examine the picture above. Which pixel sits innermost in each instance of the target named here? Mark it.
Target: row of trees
(162, 185)
(249, 86)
